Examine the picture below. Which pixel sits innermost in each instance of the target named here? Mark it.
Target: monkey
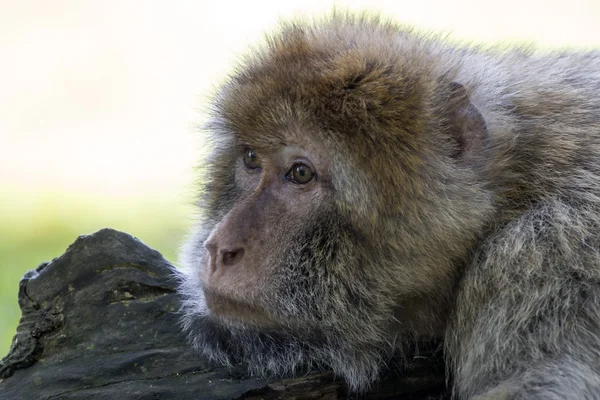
(369, 184)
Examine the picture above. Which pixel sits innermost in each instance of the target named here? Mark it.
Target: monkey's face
(281, 279)
(250, 270)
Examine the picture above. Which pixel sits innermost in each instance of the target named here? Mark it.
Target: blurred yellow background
(99, 101)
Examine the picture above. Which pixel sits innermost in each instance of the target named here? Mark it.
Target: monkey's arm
(527, 321)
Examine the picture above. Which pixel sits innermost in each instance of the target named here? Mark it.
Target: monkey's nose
(222, 256)
(231, 257)
(212, 249)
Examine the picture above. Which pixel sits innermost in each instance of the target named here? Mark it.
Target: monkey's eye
(300, 174)
(251, 159)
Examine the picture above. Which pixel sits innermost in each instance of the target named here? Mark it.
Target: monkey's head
(339, 201)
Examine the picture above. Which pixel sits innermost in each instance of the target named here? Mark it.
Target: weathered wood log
(100, 322)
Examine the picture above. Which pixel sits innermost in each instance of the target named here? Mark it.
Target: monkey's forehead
(346, 76)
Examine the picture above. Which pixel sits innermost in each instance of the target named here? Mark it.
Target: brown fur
(456, 195)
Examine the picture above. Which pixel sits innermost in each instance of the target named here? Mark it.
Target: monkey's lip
(236, 310)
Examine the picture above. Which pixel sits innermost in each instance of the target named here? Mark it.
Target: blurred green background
(99, 103)
(42, 226)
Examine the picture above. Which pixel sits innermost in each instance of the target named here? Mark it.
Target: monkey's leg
(527, 318)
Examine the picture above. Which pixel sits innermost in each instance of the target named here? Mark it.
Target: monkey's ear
(465, 124)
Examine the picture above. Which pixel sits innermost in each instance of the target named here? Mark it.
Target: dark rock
(100, 322)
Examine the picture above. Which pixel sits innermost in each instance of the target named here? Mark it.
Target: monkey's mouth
(236, 311)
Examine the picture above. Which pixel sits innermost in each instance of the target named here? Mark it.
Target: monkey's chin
(277, 349)
(282, 351)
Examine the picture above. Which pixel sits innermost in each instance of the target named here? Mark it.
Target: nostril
(231, 257)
